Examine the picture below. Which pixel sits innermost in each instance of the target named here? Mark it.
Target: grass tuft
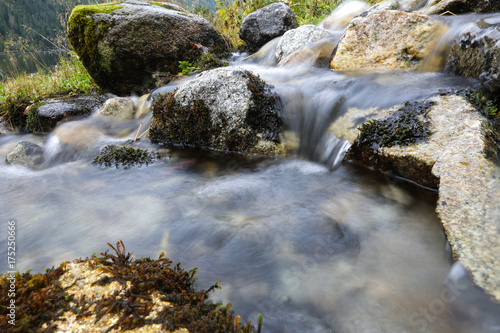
(17, 93)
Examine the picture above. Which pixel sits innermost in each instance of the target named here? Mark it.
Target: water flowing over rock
(317, 54)
(386, 5)
(228, 109)
(46, 114)
(476, 53)
(126, 45)
(27, 154)
(453, 159)
(295, 39)
(267, 23)
(120, 108)
(343, 14)
(387, 40)
(460, 6)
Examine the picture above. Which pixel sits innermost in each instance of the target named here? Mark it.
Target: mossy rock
(113, 292)
(225, 109)
(125, 45)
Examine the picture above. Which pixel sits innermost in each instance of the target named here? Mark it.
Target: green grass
(22, 90)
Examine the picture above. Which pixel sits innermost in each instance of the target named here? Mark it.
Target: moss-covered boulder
(127, 45)
(227, 109)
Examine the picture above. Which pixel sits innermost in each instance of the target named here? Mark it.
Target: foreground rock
(267, 23)
(460, 6)
(476, 53)
(454, 159)
(114, 293)
(295, 39)
(45, 115)
(227, 109)
(126, 45)
(387, 40)
(26, 154)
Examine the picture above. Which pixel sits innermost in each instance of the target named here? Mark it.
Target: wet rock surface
(48, 113)
(125, 46)
(316, 54)
(26, 154)
(223, 109)
(387, 40)
(453, 159)
(476, 53)
(460, 6)
(267, 23)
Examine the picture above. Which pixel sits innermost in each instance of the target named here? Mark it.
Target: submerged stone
(120, 108)
(387, 40)
(26, 153)
(125, 45)
(228, 109)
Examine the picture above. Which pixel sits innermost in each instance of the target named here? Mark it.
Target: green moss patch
(406, 126)
(113, 155)
(84, 33)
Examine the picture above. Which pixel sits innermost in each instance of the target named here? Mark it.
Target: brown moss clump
(176, 124)
(264, 114)
(124, 294)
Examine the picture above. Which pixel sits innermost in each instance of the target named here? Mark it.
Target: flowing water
(312, 243)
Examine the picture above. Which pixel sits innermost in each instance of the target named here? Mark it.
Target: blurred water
(313, 244)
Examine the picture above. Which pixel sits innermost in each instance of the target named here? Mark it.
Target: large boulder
(387, 40)
(267, 23)
(295, 39)
(125, 45)
(26, 153)
(454, 155)
(460, 6)
(476, 53)
(228, 109)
